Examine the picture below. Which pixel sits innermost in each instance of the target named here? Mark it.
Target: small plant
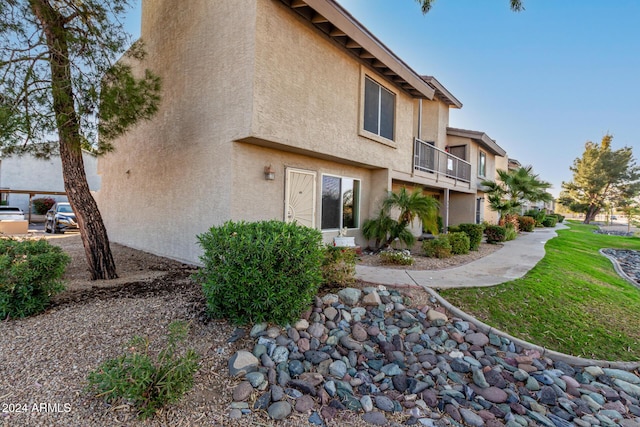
(527, 223)
(474, 231)
(437, 248)
(550, 221)
(30, 273)
(264, 271)
(149, 384)
(511, 220)
(42, 205)
(396, 257)
(386, 230)
(510, 232)
(339, 266)
(495, 234)
(538, 215)
(460, 243)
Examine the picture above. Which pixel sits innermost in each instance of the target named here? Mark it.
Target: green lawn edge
(572, 301)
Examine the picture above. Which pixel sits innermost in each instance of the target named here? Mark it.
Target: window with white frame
(379, 109)
(482, 164)
(340, 202)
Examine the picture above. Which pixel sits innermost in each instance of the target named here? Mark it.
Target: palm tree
(512, 188)
(411, 206)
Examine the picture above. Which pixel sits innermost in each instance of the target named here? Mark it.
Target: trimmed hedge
(495, 234)
(527, 223)
(550, 221)
(30, 274)
(264, 271)
(438, 247)
(474, 231)
(460, 243)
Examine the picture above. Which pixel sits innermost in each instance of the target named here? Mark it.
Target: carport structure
(31, 194)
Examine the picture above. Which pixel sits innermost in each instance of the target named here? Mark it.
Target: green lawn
(573, 301)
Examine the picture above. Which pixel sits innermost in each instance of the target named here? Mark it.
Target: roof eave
(481, 138)
(442, 92)
(338, 24)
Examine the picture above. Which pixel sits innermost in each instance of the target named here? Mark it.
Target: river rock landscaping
(628, 261)
(370, 352)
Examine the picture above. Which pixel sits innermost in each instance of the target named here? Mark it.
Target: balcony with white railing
(428, 158)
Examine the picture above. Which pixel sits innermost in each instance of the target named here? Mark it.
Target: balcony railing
(428, 158)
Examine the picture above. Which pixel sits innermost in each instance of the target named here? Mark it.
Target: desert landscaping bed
(421, 262)
(45, 359)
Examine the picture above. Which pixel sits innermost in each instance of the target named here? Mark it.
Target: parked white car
(11, 213)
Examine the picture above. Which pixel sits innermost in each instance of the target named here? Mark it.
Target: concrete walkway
(510, 262)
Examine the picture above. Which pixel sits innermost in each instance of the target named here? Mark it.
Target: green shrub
(30, 272)
(265, 271)
(527, 223)
(510, 233)
(438, 247)
(511, 220)
(538, 215)
(149, 384)
(474, 231)
(558, 217)
(550, 221)
(396, 257)
(453, 229)
(42, 205)
(339, 266)
(495, 234)
(460, 243)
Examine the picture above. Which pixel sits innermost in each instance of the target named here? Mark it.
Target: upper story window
(379, 109)
(340, 202)
(482, 164)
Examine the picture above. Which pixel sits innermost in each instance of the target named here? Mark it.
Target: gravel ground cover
(422, 262)
(45, 359)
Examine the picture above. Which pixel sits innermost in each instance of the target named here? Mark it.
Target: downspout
(419, 136)
(446, 210)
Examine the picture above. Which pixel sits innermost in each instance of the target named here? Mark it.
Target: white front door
(300, 193)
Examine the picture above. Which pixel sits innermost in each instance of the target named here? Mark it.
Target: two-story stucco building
(280, 109)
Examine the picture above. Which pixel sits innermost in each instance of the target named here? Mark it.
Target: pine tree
(600, 176)
(60, 86)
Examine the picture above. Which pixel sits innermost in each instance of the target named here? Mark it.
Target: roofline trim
(480, 137)
(442, 91)
(353, 29)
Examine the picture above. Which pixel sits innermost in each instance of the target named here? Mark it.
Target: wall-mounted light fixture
(269, 173)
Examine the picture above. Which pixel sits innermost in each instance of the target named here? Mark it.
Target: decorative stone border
(619, 270)
(555, 355)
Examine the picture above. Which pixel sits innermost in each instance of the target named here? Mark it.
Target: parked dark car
(60, 218)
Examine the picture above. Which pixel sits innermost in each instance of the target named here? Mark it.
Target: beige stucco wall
(170, 178)
(246, 84)
(308, 94)
(435, 119)
(255, 198)
(462, 208)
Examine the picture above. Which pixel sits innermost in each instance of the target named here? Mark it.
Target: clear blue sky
(540, 82)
